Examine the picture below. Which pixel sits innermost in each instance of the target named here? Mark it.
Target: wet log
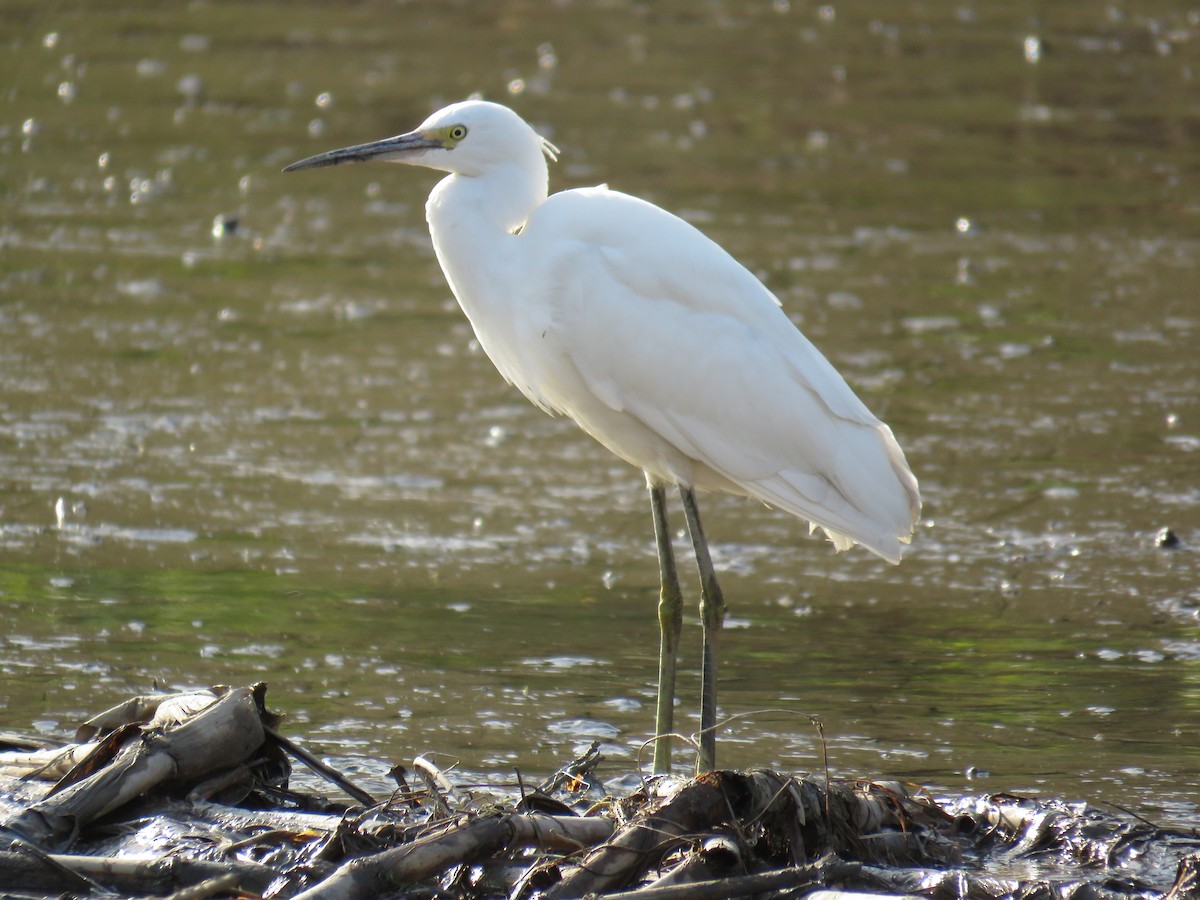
(59, 873)
(223, 735)
(462, 842)
(236, 819)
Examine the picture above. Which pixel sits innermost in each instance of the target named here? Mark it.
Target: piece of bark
(102, 754)
(155, 710)
(46, 764)
(224, 734)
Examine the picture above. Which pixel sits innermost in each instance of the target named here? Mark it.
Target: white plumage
(607, 309)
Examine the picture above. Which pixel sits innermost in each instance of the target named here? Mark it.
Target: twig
(742, 885)
(398, 773)
(435, 782)
(321, 769)
(577, 769)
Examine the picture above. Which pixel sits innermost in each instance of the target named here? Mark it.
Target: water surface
(246, 434)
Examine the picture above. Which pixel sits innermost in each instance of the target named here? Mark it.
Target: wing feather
(661, 325)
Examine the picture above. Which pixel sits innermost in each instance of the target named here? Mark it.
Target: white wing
(655, 332)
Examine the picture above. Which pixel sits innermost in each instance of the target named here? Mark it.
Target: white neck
(474, 221)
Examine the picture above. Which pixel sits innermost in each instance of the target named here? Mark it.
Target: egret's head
(467, 138)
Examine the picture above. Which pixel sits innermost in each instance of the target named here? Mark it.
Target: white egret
(607, 309)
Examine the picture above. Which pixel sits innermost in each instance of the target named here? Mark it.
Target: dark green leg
(670, 621)
(712, 616)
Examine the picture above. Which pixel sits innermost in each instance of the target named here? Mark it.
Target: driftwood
(643, 843)
(458, 843)
(145, 799)
(223, 734)
(144, 875)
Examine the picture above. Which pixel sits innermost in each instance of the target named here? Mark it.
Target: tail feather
(879, 512)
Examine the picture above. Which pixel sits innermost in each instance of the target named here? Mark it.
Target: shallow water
(245, 433)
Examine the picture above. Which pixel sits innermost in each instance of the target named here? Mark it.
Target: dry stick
(406, 794)
(689, 739)
(825, 764)
(813, 720)
(521, 786)
(323, 770)
(458, 843)
(743, 885)
(435, 783)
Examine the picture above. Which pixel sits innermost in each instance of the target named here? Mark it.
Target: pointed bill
(395, 149)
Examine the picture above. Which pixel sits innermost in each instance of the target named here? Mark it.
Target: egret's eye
(456, 132)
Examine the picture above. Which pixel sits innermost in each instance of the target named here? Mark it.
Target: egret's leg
(712, 616)
(670, 621)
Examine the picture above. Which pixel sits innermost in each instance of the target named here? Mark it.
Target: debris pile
(187, 796)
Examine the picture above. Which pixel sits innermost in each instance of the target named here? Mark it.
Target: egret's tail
(860, 502)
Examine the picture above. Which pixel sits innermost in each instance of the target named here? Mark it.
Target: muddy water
(245, 432)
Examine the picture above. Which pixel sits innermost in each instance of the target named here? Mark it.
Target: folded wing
(663, 326)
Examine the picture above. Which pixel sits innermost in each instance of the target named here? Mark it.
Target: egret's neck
(473, 220)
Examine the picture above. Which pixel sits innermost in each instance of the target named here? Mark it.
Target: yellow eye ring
(457, 132)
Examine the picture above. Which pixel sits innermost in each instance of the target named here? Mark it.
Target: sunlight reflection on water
(283, 430)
